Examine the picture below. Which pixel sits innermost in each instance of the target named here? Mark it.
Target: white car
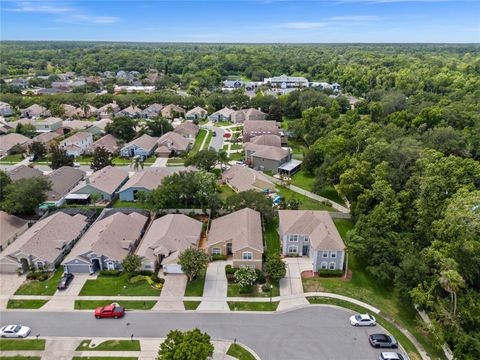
(14, 331)
(390, 356)
(76, 164)
(363, 320)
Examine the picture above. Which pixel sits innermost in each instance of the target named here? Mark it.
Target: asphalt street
(318, 332)
(217, 141)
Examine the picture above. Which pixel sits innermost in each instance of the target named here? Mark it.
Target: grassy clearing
(305, 202)
(304, 180)
(191, 305)
(252, 306)
(195, 287)
(110, 345)
(129, 204)
(271, 237)
(239, 352)
(235, 290)
(25, 304)
(41, 288)
(198, 141)
(298, 146)
(11, 159)
(117, 286)
(224, 192)
(128, 304)
(22, 344)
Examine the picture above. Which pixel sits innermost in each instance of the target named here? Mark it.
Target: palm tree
(222, 157)
(137, 162)
(451, 281)
(94, 197)
(85, 108)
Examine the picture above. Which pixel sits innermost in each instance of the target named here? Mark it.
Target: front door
(229, 249)
(305, 250)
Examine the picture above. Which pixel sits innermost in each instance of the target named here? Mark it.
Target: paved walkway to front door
(215, 290)
(171, 297)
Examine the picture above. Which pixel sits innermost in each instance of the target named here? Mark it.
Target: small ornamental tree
(132, 263)
(59, 157)
(101, 158)
(275, 267)
(188, 345)
(193, 262)
(245, 277)
(37, 149)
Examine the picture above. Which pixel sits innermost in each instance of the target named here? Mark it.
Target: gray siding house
(313, 234)
(142, 146)
(145, 181)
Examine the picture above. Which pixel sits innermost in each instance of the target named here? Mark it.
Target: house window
(39, 265)
(110, 265)
(292, 249)
(323, 266)
(307, 239)
(247, 255)
(332, 266)
(333, 254)
(293, 238)
(147, 266)
(216, 251)
(325, 254)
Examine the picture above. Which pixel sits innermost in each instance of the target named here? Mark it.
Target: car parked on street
(14, 331)
(391, 356)
(113, 310)
(383, 341)
(65, 281)
(363, 320)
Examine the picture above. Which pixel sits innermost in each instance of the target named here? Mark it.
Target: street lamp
(271, 288)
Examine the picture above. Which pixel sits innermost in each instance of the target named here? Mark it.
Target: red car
(110, 311)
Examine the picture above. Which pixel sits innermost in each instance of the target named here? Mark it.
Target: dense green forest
(406, 158)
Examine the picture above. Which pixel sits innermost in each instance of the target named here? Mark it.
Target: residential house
(266, 158)
(166, 238)
(238, 234)
(108, 241)
(104, 182)
(24, 172)
(283, 81)
(71, 125)
(233, 84)
(47, 125)
(253, 128)
(313, 234)
(242, 178)
(12, 227)
(63, 180)
(188, 130)
(22, 83)
(98, 127)
(197, 113)
(107, 111)
(143, 181)
(268, 140)
(109, 142)
(240, 116)
(151, 111)
(6, 109)
(7, 142)
(44, 245)
(46, 137)
(76, 144)
(221, 115)
(172, 111)
(172, 144)
(35, 111)
(131, 111)
(5, 127)
(144, 146)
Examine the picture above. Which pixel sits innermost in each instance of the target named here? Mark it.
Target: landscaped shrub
(157, 279)
(216, 257)
(38, 275)
(144, 272)
(266, 288)
(330, 273)
(260, 277)
(229, 270)
(110, 272)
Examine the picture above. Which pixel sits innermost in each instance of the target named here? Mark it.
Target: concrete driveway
(215, 290)
(171, 297)
(9, 283)
(291, 285)
(65, 299)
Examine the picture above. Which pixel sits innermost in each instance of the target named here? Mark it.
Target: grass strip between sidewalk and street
(127, 304)
(25, 304)
(22, 344)
(252, 306)
(239, 352)
(110, 345)
(191, 305)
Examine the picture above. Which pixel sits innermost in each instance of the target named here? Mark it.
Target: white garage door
(173, 269)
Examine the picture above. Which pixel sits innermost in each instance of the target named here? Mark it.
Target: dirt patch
(308, 274)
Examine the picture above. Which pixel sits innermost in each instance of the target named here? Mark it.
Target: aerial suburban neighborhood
(301, 184)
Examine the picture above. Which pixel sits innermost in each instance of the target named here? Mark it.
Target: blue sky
(319, 21)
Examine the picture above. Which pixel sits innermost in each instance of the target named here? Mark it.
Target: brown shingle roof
(107, 179)
(242, 178)
(269, 140)
(10, 140)
(63, 180)
(187, 128)
(174, 140)
(271, 153)
(108, 141)
(146, 142)
(24, 172)
(149, 179)
(9, 225)
(46, 137)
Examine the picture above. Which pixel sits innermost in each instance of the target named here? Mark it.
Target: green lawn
(224, 192)
(207, 142)
(83, 159)
(191, 305)
(117, 160)
(195, 287)
(298, 146)
(235, 290)
(175, 161)
(239, 352)
(252, 306)
(25, 304)
(198, 141)
(45, 288)
(128, 304)
(22, 344)
(237, 146)
(117, 286)
(110, 345)
(305, 202)
(129, 204)
(11, 159)
(223, 123)
(272, 240)
(236, 156)
(305, 181)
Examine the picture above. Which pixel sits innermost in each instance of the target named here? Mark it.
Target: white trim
(330, 265)
(333, 254)
(324, 265)
(216, 251)
(324, 254)
(290, 247)
(247, 255)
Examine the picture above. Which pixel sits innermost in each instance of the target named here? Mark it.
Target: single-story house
(6, 109)
(98, 127)
(238, 234)
(104, 182)
(266, 158)
(197, 113)
(172, 111)
(35, 111)
(109, 142)
(24, 172)
(44, 245)
(165, 240)
(145, 181)
(144, 146)
(172, 144)
(253, 128)
(63, 180)
(11, 227)
(108, 241)
(188, 130)
(10, 140)
(76, 144)
(221, 115)
(131, 111)
(151, 111)
(71, 125)
(241, 116)
(313, 234)
(242, 178)
(108, 110)
(45, 137)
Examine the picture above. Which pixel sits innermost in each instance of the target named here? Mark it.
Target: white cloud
(354, 18)
(89, 19)
(303, 25)
(36, 7)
